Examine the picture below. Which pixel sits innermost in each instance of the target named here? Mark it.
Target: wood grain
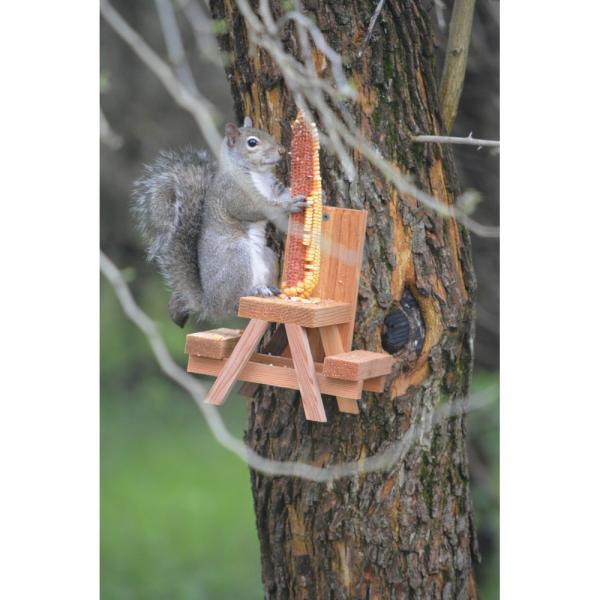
(214, 343)
(306, 373)
(358, 364)
(342, 243)
(376, 384)
(237, 360)
(328, 385)
(277, 310)
(280, 372)
(332, 343)
(276, 345)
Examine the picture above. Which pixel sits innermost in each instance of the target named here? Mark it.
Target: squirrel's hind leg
(226, 274)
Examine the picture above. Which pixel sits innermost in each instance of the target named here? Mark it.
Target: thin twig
(174, 44)
(321, 43)
(384, 460)
(199, 107)
(440, 7)
(334, 138)
(447, 139)
(372, 22)
(203, 30)
(402, 185)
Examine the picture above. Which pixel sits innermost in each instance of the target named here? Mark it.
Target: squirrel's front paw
(297, 203)
(262, 290)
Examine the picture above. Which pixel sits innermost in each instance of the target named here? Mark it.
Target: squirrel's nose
(281, 150)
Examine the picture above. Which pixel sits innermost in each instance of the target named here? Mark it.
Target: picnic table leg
(306, 373)
(332, 343)
(275, 346)
(237, 360)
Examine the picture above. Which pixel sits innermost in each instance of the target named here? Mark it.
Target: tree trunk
(408, 532)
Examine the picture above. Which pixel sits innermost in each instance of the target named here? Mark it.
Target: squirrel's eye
(252, 142)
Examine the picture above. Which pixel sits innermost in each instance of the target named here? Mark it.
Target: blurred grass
(176, 510)
(177, 519)
(483, 430)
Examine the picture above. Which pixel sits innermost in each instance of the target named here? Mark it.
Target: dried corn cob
(303, 254)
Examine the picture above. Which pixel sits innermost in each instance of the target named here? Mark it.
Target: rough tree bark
(406, 533)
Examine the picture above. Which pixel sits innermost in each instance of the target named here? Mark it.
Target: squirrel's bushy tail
(167, 205)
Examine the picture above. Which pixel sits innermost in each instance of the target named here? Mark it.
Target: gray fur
(168, 201)
(203, 222)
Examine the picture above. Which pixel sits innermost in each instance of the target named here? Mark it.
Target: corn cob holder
(316, 307)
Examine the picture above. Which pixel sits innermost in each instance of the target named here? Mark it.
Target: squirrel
(205, 223)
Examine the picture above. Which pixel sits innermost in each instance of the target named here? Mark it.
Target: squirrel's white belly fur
(263, 183)
(257, 240)
(257, 243)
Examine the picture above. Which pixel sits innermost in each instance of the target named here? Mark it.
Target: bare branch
(174, 44)
(199, 107)
(391, 173)
(384, 460)
(372, 22)
(446, 139)
(203, 30)
(333, 137)
(455, 63)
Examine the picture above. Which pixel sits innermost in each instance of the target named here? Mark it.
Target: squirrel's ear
(247, 122)
(232, 133)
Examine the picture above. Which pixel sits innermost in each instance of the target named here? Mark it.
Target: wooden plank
(358, 364)
(332, 343)
(343, 239)
(215, 343)
(237, 360)
(276, 371)
(314, 341)
(306, 373)
(328, 385)
(276, 345)
(277, 310)
(376, 384)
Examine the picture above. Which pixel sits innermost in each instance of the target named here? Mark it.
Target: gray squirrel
(205, 223)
